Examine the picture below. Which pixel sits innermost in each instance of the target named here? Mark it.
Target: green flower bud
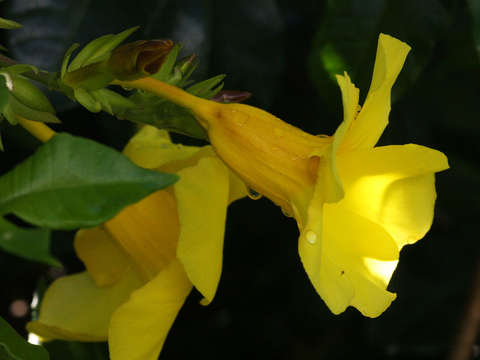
(26, 100)
(29, 95)
(138, 59)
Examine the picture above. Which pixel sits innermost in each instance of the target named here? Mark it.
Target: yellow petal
(393, 186)
(332, 182)
(139, 327)
(328, 185)
(370, 299)
(367, 128)
(238, 189)
(350, 96)
(152, 148)
(336, 263)
(148, 231)
(202, 196)
(75, 309)
(104, 260)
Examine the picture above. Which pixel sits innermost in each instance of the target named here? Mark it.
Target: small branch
(463, 346)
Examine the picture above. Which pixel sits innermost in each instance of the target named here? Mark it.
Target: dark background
(286, 53)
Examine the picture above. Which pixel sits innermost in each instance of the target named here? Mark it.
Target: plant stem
(167, 91)
(41, 131)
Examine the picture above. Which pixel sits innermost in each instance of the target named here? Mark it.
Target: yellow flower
(356, 205)
(141, 264)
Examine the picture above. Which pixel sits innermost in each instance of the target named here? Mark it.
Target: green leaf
(14, 347)
(97, 49)
(71, 182)
(9, 24)
(31, 244)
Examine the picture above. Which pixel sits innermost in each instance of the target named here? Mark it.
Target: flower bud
(29, 95)
(138, 59)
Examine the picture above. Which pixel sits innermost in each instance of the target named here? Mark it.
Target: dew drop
(252, 194)
(311, 237)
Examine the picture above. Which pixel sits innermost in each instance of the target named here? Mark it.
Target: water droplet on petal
(252, 194)
(311, 237)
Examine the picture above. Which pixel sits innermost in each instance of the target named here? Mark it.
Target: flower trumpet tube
(356, 205)
(142, 264)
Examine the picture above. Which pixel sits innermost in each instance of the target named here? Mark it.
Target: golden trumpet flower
(141, 265)
(356, 205)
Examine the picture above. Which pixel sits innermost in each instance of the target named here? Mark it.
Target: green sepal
(9, 24)
(166, 69)
(15, 347)
(112, 102)
(30, 244)
(207, 88)
(168, 116)
(87, 100)
(153, 110)
(20, 69)
(186, 67)
(66, 59)
(99, 49)
(72, 182)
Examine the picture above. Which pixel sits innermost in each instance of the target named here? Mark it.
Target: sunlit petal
(367, 128)
(393, 186)
(75, 309)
